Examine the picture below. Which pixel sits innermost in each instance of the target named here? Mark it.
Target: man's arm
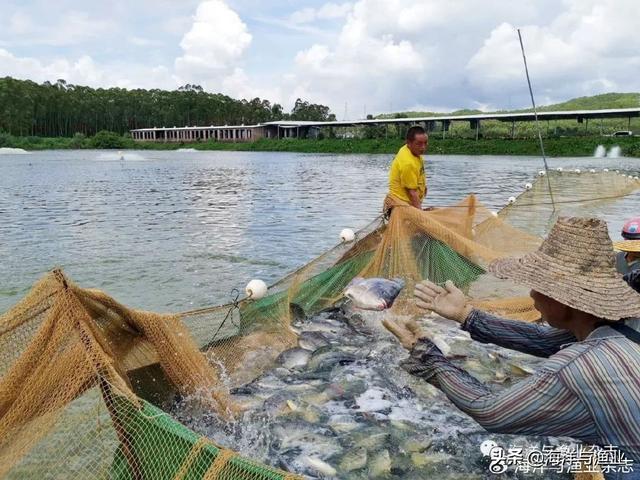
(539, 405)
(415, 198)
(534, 339)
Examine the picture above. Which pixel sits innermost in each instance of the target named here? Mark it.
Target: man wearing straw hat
(589, 388)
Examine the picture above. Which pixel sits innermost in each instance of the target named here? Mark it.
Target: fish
(297, 435)
(320, 466)
(373, 293)
(380, 464)
(354, 459)
(294, 358)
(325, 358)
(312, 340)
(336, 405)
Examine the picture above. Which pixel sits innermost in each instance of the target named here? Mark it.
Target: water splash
(614, 152)
(12, 151)
(600, 151)
(189, 150)
(120, 157)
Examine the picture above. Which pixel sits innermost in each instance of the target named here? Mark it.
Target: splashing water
(600, 151)
(120, 156)
(12, 151)
(614, 152)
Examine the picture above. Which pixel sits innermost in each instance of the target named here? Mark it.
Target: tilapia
(373, 293)
(296, 434)
(320, 466)
(325, 358)
(312, 340)
(354, 459)
(294, 358)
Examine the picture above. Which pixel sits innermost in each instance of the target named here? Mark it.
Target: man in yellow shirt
(407, 181)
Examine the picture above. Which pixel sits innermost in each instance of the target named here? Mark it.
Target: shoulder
(404, 155)
(567, 356)
(402, 152)
(590, 352)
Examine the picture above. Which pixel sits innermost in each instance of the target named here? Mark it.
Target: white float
(559, 169)
(527, 186)
(512, 200)
(542, 173)
(577, 170)
(256, 289)
(347, 235)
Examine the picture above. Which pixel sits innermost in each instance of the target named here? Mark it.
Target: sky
(359, 57)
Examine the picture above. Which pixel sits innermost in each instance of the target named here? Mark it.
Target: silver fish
(325, 358)
(373, 293)
(312, 340)
(294, 358)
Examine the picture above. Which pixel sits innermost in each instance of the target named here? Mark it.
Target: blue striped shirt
(588, 390)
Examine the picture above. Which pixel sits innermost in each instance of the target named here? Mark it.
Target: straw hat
(627, 245)
(575, 265)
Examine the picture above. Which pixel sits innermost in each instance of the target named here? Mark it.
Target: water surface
(172, 231)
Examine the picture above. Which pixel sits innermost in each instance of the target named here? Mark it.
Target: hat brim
(627, 246)
(604, 296)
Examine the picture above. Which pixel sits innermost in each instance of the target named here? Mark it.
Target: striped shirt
(588, 390)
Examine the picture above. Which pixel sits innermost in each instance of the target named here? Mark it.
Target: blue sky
(373, 55)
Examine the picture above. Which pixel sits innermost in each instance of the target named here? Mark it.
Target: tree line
(62, 109)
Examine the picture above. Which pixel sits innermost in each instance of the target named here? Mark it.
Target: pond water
(173, 231)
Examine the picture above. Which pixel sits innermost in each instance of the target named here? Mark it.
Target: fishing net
(84, 380)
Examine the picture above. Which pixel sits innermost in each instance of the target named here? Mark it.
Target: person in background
(407, 182)
(628, 258)
(589, 388)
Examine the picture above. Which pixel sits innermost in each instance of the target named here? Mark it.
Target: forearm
(414, 198)
(539, 405)
(531, 338)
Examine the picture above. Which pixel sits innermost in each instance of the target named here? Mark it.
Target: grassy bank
(554, 146)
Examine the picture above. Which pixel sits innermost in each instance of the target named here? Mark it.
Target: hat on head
(575, 265)
(631, 229)
(627, 245)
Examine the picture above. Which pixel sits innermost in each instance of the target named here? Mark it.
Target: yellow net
(79, 372)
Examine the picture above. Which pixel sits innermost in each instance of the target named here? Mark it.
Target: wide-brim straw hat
(627, 245)
(575, 265)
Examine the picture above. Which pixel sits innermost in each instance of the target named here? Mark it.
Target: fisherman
(628, 258)
(589, 388)
(407, 184)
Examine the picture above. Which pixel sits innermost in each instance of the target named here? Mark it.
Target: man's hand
(448, 302)
(414, 198)
(408, 332)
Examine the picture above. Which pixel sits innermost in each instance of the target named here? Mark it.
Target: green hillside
(595, 102)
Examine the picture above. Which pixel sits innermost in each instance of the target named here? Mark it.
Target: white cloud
(84, 71)
(455, 54)
(591, 47)
(385, 54)
(328, 11)
(214, 44)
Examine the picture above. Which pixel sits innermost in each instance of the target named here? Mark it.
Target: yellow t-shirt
(406, 172)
